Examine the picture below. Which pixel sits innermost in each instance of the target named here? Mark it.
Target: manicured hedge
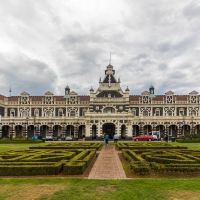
(72, 168)
(45, 162)
(177, 160)
(29, 170)
(188, 140)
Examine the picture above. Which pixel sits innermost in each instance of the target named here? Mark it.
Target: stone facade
(109, 109)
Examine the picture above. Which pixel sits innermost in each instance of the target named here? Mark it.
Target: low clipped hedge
(29, 169)
(45, 162)
(72, 168)
(140, 167)
(188, 140)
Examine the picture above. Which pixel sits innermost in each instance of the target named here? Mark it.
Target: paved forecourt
(107, 165)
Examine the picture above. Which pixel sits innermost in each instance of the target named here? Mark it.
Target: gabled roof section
(145, 93)
(72, 93)
(193, 93)
(169, 93)
(48, 93)
(25, 94)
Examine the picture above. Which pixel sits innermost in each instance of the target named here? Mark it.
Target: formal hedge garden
(145, 158)
(53, 159)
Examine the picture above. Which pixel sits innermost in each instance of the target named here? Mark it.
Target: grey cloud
(163, 47)
(25, 74)
(192, 10)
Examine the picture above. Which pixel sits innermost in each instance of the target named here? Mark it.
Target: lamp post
(26, 127)
(183, 126)
(192, 127)
(34, 125)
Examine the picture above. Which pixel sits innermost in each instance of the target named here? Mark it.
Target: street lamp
(183, 125)
(192, 125)
(27, 127)
(34, 125)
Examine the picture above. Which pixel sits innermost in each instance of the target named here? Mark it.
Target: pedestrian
(106, 138)
(103, 136)
(166, 138)
(83, 139)
(116, 137)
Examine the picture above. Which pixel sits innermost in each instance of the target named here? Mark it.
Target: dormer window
(193, 97)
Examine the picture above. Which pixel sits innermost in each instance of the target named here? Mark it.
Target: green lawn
(8, 147)
(41, 188)
(84, 189)
(194, 146)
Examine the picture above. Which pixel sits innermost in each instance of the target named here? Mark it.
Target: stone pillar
(63, 131)
(141, 128)
(129, 131)
(6, 112)
(37, 129)
(87, 134)
(24, 131)
(50, 129)
(0, 131)
(118, 128)
(167, 128)
(154, 126)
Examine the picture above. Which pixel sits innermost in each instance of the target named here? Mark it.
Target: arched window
(24, 114)
(145, 113)
(109, 110)
(48, 113)
(169, 113)
(193, 113)
(72, 113)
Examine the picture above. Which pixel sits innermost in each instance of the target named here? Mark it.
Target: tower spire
(110, 58)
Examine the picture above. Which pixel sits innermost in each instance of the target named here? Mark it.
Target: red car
(143, 138)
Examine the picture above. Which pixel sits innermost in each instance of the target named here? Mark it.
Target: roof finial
(10, 90)
(110, 58)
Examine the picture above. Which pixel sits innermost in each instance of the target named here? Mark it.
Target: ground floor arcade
(95, 130)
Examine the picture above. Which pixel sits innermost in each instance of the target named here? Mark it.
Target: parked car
(143, 138)
(69, 138)
(37, 137)
(51, 137)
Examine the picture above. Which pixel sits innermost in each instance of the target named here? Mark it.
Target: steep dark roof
(106, 79)
(113, 93)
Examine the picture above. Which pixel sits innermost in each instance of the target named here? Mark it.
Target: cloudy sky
(48, 44)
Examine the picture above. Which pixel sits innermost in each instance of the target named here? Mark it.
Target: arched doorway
(5, 131)
(94, 131)
(70, 130)
(30, 131)
(186, 130)
(173, 130)
(81, 131)
(147, 129)
(161, 128)
(57, 130)
(109, 128)
(44, 130)
(197, 129)
(123, 132)
(18, 131)
(135, 130)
